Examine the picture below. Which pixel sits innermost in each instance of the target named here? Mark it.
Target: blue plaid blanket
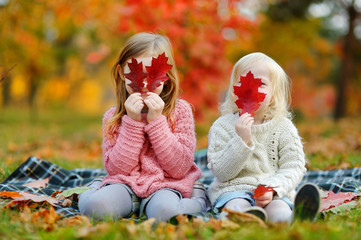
(345, 180)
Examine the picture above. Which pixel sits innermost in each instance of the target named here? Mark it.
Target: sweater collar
(264, 127)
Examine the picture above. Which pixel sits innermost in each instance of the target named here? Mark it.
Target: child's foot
(307, 203)
(257, 211)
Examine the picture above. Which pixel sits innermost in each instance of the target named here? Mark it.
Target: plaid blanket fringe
(338, 180)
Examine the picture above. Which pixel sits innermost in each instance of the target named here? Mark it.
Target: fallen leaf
(66, 203)
(37, 184)
(343, 207)
(36, 198)
(45, 218)
(240, 217)
(336, 199)
(226, 223)
(10, 194)
(148, 224)
(70, 191)
(77, 220)
(249, 98)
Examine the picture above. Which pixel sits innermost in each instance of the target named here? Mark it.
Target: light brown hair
(143, 44)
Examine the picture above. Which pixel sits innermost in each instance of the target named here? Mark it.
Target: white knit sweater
(275, 158)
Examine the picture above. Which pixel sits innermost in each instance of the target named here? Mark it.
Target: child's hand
(264, 199)
(243, 127)
(155, 106)
(134, 105)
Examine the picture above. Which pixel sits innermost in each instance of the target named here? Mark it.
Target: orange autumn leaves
(22, 199)
(10, 194)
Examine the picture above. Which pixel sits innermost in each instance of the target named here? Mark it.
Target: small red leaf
(157, 72)
(136, 75)
(261, 190)
(249, 99)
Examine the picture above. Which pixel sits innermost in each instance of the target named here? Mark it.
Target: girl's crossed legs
(118, 201)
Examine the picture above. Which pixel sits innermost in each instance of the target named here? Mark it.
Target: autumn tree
(200, 31)
(345, 72)
(43, 37)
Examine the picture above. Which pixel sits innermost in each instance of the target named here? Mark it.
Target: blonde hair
(281, 84)
(138, 45)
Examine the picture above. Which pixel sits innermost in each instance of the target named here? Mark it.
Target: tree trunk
(347, 65)
(6, 98)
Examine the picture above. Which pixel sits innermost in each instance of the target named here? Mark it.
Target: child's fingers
(154, 101)
(150, 103)
(138, 106)
(245, 118)
(133, 98)
(247, 121)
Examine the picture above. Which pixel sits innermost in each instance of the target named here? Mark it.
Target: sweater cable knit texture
(275, 157)
(151, 156)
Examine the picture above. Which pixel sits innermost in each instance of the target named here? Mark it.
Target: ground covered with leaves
(73, 140)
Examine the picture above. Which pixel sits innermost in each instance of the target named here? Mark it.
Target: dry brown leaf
(37, 184)
(228, 224)
(75, 221)
(148, 224)
(239, 217)
(66, 203)
(215, 223)
(131, 227)
(45, 218)
(36, 198)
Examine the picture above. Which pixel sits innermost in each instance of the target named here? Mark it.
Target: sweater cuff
(132, 125)
(156, 126)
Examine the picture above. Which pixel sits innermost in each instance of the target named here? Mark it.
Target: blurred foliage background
(57, 55)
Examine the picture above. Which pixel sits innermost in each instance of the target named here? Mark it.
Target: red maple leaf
(157, 72)
(136, 75)
(261, 190)
(335, 199)
(249, 99)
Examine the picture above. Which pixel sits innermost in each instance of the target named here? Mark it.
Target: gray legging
(114, 201)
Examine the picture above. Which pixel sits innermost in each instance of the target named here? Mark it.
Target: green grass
(68, 138)
(72, 140)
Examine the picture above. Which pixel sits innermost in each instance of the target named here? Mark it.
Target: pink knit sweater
(149, 157)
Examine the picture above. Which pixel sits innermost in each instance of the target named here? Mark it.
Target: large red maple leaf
(335, 199)
(249, 99)
(157, 72)
(136, 75)
(261, 190)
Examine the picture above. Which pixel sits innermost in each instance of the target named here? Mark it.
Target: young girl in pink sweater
(148, 140)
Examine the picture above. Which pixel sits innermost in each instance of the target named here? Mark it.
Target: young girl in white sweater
(262, 148)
